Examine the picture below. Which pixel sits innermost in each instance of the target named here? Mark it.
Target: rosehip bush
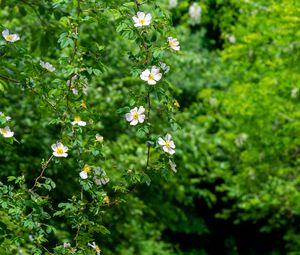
(149, 127)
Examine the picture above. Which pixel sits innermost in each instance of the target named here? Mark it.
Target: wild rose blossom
(59, 150)
(136, 116)
(6, 132)
(167, 144)
(173, 43)
(10, 37)
(141, 19)
(151, 76)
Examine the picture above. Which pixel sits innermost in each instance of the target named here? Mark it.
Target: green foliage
(230, 101)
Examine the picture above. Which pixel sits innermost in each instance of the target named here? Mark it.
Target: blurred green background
(236, 79)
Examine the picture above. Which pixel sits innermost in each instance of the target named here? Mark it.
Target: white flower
(85, 171)
(151, 76)
(173, 43)
(59, 150)
(100, 177)
(195, 13)
(231, 39)
(66, 245)
(164, 67)
(167, 144)
(95, 247)
(10, 37)
(47, 66)
(136, 115)
(295, 93)
(141, 19)
(8, 118)
(173, 3)
(99, 138)
(6, 132)
(78, 121)
(173, 166)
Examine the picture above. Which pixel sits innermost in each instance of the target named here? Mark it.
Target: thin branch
(5, 78)
(44, 99)
(77, 234)
(44, 167)
(148, 135)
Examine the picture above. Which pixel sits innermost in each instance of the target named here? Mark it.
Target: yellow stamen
(142, 21)
(168, 144)
(135, 116)
(77, 118)
(59, 150)
(9, 37)
(151, 77)
(172, 44)
(106, 200)
(87, 168)
(97, 248)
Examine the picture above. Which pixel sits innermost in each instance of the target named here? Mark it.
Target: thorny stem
(147, 53)
(70, 62)
(44, 167)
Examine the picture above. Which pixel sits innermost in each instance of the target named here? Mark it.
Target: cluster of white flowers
(10, 37)
(153, 75)
(195, 13)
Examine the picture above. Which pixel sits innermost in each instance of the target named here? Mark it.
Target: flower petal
(157, 77)
(128, 116)
(53, 146)
(134, 122)
(161, 141)
(141, 15)
(141, 118)
(168, 137)
(83, 175)
(141, 110)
